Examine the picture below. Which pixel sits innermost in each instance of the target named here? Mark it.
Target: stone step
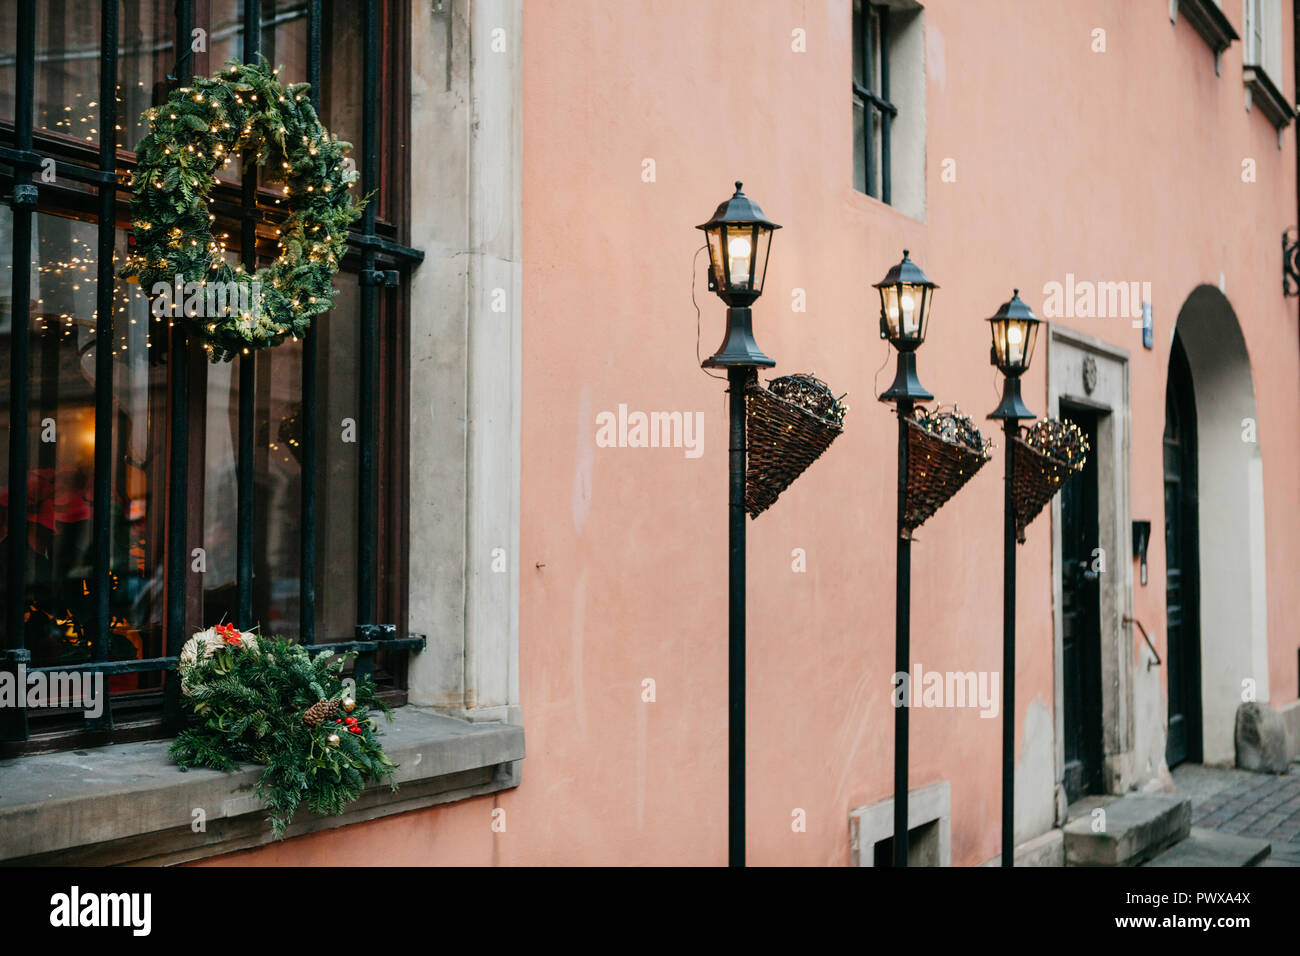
(1211, 848)
(1128, 830)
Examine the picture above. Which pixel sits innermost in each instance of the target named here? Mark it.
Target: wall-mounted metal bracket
(24, 196)
(387, 278)
(1290, 263)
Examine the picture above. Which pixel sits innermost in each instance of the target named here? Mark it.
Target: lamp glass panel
(1013, 342)
(762, 246)
(910, 300)
(738, 245)
(1016, 344)
(1031, 336)
(927, 302)
(889, 307)
(999, 330)
(714, 236)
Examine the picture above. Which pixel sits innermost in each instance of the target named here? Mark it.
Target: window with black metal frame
(873, 112)
(66, 191)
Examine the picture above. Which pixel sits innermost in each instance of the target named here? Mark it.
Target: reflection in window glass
(277, 478)
(61, 428)
(146, 55)
(67, 69)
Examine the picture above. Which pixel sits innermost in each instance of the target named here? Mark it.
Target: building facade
(558, 600)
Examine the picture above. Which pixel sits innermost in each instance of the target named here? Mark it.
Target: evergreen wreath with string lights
(202, 127)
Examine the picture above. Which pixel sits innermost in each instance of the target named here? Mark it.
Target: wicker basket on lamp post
(1047, 455)
(944, 450)
(790, 423)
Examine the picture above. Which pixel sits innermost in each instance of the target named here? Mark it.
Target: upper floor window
(889, 103)
(872, 111)
(1261, 22)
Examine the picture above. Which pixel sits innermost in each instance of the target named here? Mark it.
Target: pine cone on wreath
(319, 711)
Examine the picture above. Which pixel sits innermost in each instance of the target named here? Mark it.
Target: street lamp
(1015, 329)
(739, 239)
(905, 299)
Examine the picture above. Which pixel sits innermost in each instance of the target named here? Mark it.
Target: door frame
(1068, 351)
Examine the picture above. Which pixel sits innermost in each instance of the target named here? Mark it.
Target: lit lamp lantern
(905, 299)
(1015, 330)
(739, 239)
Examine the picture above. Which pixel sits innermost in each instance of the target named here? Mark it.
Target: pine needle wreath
(201, 128)
(250, 703)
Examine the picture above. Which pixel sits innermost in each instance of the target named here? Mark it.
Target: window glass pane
(8, 61)
(226, 41)
(147, 54)
(337, 466)
(342, 67)
(337, 463)
(139, 476)
(279, 484)
(61, 499)
(284, 37)
(67, 68)
(875, 78)
(857, 42)
(859, 147)
(877, 151)
(277, 481)
(61, 440)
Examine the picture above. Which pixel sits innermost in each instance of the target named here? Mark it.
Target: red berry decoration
(355, 729)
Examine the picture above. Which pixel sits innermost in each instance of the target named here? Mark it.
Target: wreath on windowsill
(201, 128)
(266, 701)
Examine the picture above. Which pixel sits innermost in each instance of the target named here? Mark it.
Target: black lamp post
(1015, 329)
(739, 239)
(905, 298)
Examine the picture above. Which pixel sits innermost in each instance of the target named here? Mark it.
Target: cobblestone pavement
(1247, 804)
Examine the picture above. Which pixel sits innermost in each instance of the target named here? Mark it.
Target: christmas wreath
(272, 703)
(201, 128)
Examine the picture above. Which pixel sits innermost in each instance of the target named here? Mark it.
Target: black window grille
(58, 177)
(872, 111)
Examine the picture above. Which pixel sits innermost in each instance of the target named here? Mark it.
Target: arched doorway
(1182, 562)
(1225, 534)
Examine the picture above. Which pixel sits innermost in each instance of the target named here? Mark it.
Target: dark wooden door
(1081, 620)
(1182, 593)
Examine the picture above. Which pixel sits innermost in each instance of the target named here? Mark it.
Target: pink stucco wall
(1123, 165)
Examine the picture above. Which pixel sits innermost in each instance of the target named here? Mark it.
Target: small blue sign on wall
(1148, 327)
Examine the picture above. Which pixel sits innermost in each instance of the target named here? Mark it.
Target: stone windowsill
(130, 803)
(1210, 22)
(1265, 94)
